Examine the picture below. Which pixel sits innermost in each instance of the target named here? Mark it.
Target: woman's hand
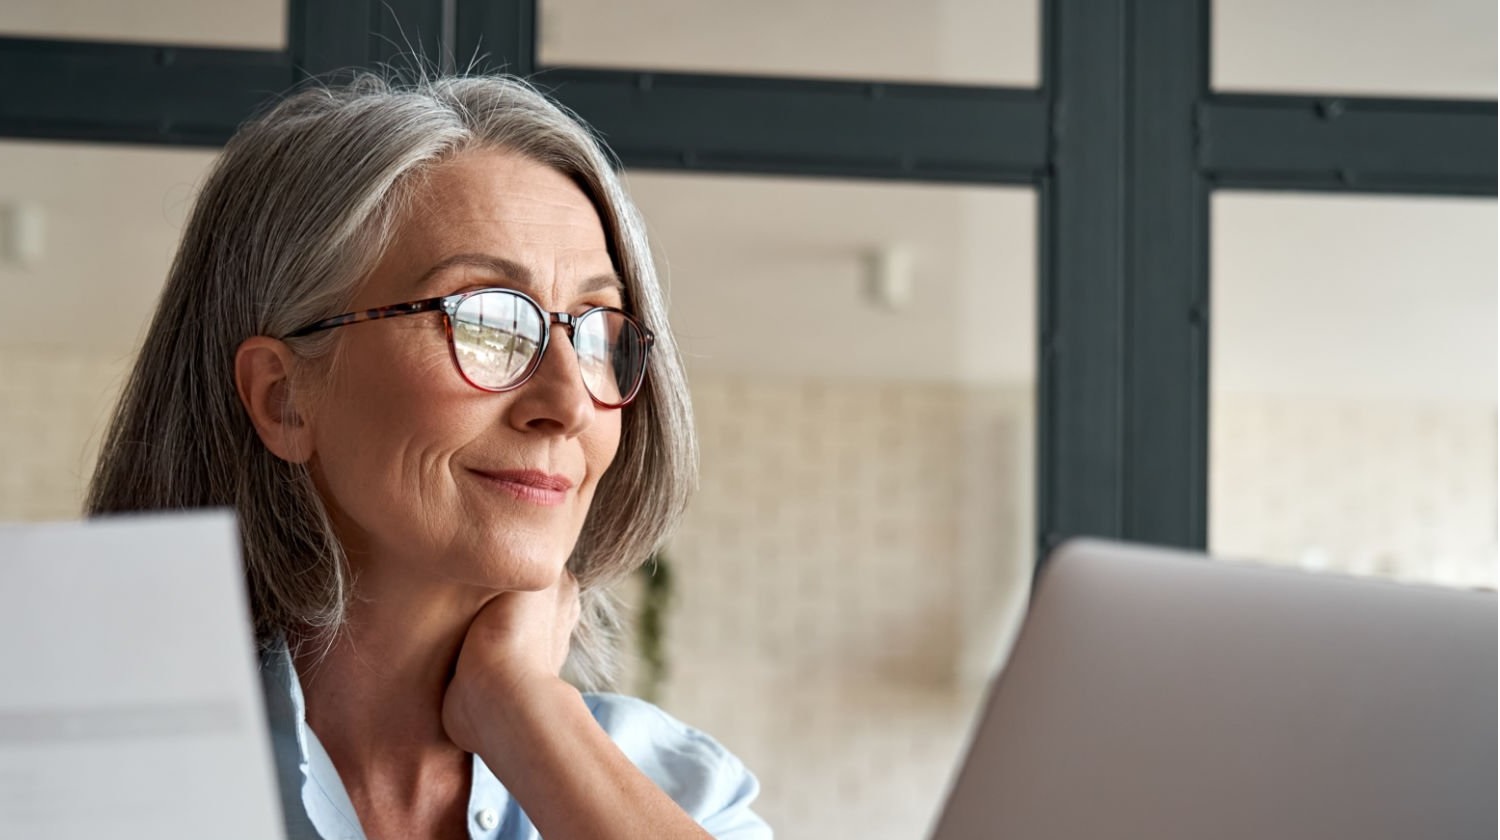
(507, 705)
(517, 641)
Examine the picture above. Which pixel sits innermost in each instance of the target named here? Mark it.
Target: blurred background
(897, 410)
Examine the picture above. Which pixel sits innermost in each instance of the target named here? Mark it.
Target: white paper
(130, 702)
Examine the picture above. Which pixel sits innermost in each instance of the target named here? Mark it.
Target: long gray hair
(294, 216)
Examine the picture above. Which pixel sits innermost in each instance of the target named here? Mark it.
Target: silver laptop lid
(1156, 694)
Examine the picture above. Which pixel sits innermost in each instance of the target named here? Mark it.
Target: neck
(375, 699)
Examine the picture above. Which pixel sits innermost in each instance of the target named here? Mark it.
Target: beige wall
(1399, 489)
(238, 24)
(53, 406)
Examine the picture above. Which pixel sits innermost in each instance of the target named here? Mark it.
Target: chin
(527, 568)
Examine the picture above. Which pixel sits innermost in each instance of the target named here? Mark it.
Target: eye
(596, 304)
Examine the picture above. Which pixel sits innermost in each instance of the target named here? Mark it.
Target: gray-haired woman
(414, 337)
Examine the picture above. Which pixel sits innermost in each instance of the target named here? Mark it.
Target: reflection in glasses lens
(497, 336)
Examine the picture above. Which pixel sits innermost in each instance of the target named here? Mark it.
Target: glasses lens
(495, 337)
(611, 350)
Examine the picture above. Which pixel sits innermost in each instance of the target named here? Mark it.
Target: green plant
(651, 625)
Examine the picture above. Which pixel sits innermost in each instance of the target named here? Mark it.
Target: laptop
(1156, 693)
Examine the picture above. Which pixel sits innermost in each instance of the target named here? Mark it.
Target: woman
(414, 337)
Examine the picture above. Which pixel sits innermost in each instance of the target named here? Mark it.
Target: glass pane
(958, 41)
(1442, 48)
(244, 23)
(92, 232)
(850, 571)
(1354, 385)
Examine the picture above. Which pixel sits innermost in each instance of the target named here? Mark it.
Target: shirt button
(487, 818)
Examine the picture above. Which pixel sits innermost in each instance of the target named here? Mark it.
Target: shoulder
(706, 780)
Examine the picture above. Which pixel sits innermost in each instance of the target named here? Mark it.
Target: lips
(532, 486)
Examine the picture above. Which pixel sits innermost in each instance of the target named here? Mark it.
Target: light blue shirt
(702, 777)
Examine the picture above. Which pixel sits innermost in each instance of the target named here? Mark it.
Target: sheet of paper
(130, 702)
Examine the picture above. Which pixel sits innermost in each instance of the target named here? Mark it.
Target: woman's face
(429, 479)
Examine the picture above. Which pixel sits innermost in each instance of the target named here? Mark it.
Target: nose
(554, 399)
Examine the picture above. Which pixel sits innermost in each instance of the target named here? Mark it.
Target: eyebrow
(519, 274)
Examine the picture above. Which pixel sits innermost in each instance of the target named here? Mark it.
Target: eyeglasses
(498, 338)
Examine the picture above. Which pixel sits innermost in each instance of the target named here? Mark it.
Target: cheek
(388, 426)
(601, 445)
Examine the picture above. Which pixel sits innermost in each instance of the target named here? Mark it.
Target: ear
(262, 375)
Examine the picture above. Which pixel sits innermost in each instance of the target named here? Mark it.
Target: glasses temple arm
(395, 310)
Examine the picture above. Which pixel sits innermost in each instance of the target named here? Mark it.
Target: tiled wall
(1362, 486)
(53, 407)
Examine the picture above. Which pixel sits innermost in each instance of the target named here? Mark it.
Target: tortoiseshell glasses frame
(504, 352)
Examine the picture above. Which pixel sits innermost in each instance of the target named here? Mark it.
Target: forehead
(502, 204)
